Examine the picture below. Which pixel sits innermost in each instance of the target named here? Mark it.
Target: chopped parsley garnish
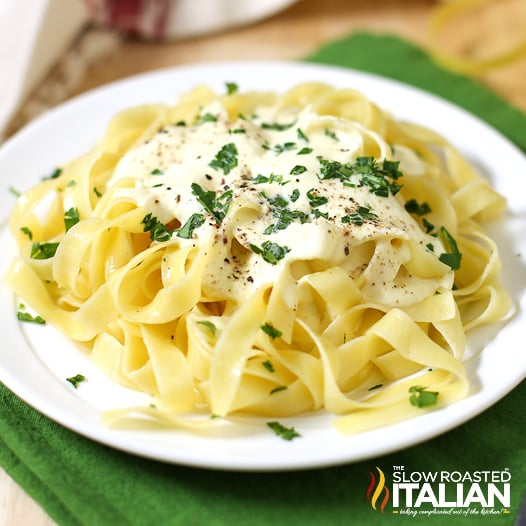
(377, 177)
(294, 195)
(276, 126)
(21, 315)
(267, 364)
(298, 170)
(270, 252)
(285, 216)
(97, 192)
(271, 331)
(55, 174)
(277, 201)
(43, 250)
(158, 231)
(231, 87)
(286, 146)
(301, 135)
(206, 117)
(27, 232)
(453, 257)
(226, 158)
(76, 380)
(330, 134)
(156, 171)
(216, 205)
(193, 222)
(374, 387)
(420, 397)
(286, 433)
(209, 325)
(71, 218)
(14, 191)
(305, 150)
(359, 216)
(335, 170)
(316, 200)
(71, 183)
(429, 227)
(272, 178)
(278, 389)
(316, 213)
(414, 207)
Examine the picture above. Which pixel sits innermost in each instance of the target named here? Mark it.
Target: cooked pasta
(266, 254)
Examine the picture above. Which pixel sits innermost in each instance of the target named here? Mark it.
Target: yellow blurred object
(449, 11)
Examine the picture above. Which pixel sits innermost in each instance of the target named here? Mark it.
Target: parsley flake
(26, 316)
(331, 134)
(414, 207)
(231, 87)
(302, 135)
(25, 230)
(71, 218)
(316, 200)
(286, 433)
(216, 205)
(267, 364)
(271, 331)
(225, 159)
(305, 150)
(276, 126)
(206, 117)
(294, 196)
(453, 257)
(298, 170)
(286, 146)
(270, 252)
(272, 178)
(43, 250)
(359, 217)
(420, 397)
(378, 178)
(158, 231)
(209, 325)
(76, 380)
(193, 222)
(55, 174)
(285, 216)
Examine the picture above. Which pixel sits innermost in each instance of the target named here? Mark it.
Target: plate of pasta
(226, 265)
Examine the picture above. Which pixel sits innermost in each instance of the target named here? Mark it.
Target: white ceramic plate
(35, 360)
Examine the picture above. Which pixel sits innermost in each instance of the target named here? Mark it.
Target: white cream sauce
(165, 167)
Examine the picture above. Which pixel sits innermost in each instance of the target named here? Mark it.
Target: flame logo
(373, 496)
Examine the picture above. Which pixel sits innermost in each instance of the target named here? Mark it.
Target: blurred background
(55, 49)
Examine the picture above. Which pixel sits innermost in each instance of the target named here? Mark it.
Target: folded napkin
(35, 33)
(79, 482)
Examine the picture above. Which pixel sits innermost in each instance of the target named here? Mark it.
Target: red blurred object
(139, 18)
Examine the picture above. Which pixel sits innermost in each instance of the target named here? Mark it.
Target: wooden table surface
(292, 34)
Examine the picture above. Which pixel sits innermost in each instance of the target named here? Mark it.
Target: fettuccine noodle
(266, 254)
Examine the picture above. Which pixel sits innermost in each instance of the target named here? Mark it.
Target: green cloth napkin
(79, 482)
